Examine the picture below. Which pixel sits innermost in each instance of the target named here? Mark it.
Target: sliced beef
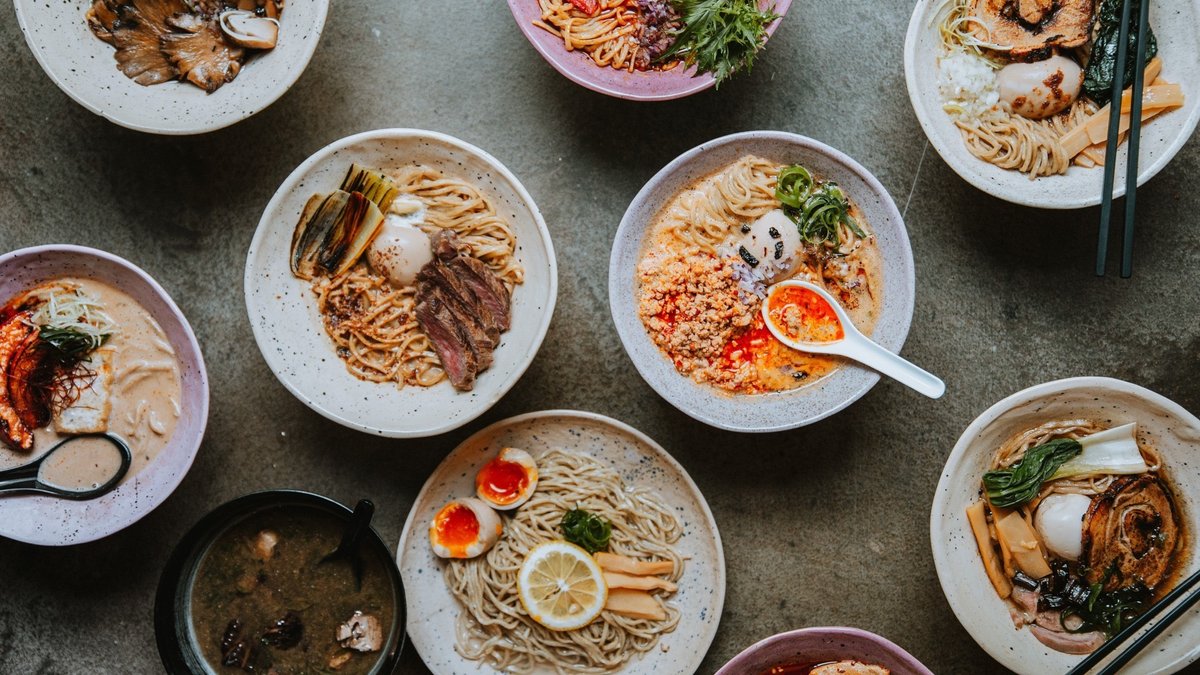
(439, 324)
(436, 275)
(470, 328)
(488, 289)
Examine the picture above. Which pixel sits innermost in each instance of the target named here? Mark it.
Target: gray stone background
(826, 525)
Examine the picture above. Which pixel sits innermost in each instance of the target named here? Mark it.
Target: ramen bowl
(1163, 137)
(772, 411)
(48, 521)
(1166, 425)
(182, 651)
(578, 67)
(85, 69)
(288, 326)
(812, 646)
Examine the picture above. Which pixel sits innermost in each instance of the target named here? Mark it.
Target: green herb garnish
(1021, 482)
(1102, 64)
(1108, 611)
(70, 345)
(720, 37)
(586, 530)
(818, 209)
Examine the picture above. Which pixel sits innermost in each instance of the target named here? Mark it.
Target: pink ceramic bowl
(821, 645)
(47, 521)
(636, 86)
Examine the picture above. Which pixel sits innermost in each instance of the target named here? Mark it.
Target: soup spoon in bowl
(79, 468)
(806, 317)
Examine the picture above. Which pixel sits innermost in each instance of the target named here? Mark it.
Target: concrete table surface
(826, 525)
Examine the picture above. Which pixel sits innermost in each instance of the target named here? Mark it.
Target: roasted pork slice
(440, 327)
(1132, 530)
(14, 338)
(1031, 25)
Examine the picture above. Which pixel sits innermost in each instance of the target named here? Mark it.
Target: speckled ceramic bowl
(85, 68)
(776, 411)
(822, 645)
(47, 521)
(287, 325)
(1179, 43)
(432, 610)
(1170, 428)
(636, 86)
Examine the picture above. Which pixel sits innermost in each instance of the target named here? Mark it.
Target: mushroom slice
(205, 58)
(187, 22)
(248, 30)
(100, 18)
(136, 34)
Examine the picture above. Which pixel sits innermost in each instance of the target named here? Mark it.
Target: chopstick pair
(1114, 133)
(1192, 584)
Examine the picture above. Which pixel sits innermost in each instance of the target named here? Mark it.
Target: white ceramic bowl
(776, 411)
(1171, 429)
(288, 328)
(433, 610)
(85, 68)
(48, 521)
(1179, 44)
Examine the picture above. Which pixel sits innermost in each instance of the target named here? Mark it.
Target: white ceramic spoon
(854, 345)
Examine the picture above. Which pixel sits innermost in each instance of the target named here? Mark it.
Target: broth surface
(234, 582)
(83, 464)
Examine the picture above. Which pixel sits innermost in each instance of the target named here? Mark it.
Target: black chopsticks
(1114, 136)
(1192, 584)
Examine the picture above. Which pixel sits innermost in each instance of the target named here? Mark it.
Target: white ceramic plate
(48, 521)
(1170, 428)
(1175, 25)
(776, 411)
(432, 610)
(85, 68)
(283, 309)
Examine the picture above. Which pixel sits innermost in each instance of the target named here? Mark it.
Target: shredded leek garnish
(67, 309)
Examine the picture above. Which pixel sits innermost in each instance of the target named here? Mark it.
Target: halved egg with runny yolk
(464, 528)
(507, 481)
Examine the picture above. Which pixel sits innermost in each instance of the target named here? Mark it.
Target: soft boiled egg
(1041, 89)
(401, 248)
(464, 528)
(1059, 520)
(771, 245)
(507, 481)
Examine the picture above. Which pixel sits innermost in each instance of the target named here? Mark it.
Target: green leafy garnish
(1102, 64)
(586, 530)
(1108, 611)
(721, 37)
(1021, 482)
(818, 209)
(70, 344)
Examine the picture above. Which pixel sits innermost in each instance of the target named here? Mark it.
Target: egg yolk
(457, 528)
(804, 316)
(501, 481)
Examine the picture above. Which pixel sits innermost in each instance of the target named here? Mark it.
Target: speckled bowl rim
(143, 501)
(971, 171)
(939, 520)
(282, 86)
(298, 176)
(630, 328)
(581, 70)
(667, 458)
(738, 664)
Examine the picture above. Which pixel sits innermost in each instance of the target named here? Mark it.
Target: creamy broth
(82, 464)
(145, 391)
(701, 311)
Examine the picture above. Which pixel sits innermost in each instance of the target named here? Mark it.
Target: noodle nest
(494, 627)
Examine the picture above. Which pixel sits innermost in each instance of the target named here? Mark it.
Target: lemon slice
(561, 586)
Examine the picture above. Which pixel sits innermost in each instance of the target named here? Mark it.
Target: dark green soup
(261, 604)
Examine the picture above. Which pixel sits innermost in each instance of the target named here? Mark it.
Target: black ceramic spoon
(359, 525)
(29, 478)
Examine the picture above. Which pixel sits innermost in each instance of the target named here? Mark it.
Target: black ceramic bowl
(172, 605)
